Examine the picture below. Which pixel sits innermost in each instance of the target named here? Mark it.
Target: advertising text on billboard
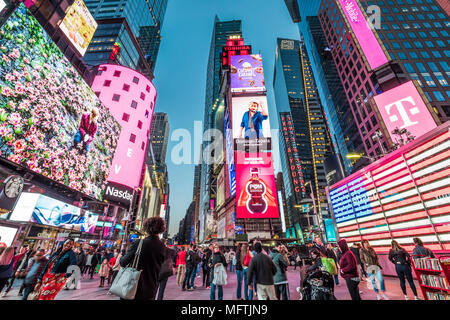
(247, 73)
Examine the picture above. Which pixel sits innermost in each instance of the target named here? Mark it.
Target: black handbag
(166, 269)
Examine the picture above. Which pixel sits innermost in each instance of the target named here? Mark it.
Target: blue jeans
(193, 275)
(379, 276)
(26, 291)
(232, 267)
(248, 294)
(239, 274)
(336, 279)
(198, 269)
(187, 277)
(212, 293)
(77, 138)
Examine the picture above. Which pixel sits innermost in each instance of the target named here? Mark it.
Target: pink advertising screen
(255, 186)
(403, 107)
(368, 42)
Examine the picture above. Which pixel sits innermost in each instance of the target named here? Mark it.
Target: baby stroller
(318, 285)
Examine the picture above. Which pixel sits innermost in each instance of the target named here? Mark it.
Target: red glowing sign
(402, 107)
(255, 186)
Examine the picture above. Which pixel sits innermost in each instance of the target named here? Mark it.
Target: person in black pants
(402, 261)
(95, 261)
(166, 269)
(190, 264)
(349, 269)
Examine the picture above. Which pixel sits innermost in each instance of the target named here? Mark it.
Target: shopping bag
(330, 265)
(126, 282)
(220, 276)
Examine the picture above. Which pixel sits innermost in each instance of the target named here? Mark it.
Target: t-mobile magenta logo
(403, 111)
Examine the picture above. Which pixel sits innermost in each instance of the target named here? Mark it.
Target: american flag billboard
(405, 194)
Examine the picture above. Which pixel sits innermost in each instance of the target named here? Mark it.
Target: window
(126, 87)
(132, 138)
(139, 125)
(428, 80)
(424, 54)
(126, 117)
(436, 54)
(142, 145)
(441, 79)
(407, 45)
(402, 56)
(428, 96)
(142, 96)
(439, 96)
(116, 97)
(396, 45)
(136, 80)
(146, 113)
(422, 34)
(440, 43)
(418, 44)
(107, 83)
(133, 104)
(413, 55)
(147, 88)
(429, 44)
(117, 73)
(420, 66)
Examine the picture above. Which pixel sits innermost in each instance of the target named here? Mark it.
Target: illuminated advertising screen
(38, 208)
(79, 26)
(369, 44)
(250, 117)
(256, 194)
(7, 235)
(404, 194)
(329, 229)
(230, 153)
(2, 5)
(221, 188)
(247, 73)
(51, 121)
(403, 107)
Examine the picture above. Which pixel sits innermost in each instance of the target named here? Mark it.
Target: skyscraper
(125, 32)
(304, 141)
(220, 34)
(159, 136)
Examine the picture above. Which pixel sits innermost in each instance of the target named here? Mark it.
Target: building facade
(159, 136)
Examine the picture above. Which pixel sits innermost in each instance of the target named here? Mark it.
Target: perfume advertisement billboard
(256, 192)
(247, 73)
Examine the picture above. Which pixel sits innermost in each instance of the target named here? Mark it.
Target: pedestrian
(402, 261)
(190, 264)
(227, 256)
(239, 273)
(20, 262)
(199, 264)
(263, 268)
(21, 270)
(420, 250)
(281, 261)
(316, 260)
(232, 260)
(196, 262)
(150, 260)
(116, 266)
(370, 260)
(112, 262)
(349, 269)
(217, 260)
(331, 254)
(81, 258)
(104, 271)
(181, 266)
(96, 259)
(53, 277)
(356, 246)
(33, 271)
(88, 265)
(318, 244)
(245, 258)
(166, 270)
(8, 262)
(207, 270)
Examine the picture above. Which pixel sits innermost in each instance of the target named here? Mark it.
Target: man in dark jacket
(166, 270)
(206, 267)
(81, 258)
(349, 269)
(264, 269)
(33, 271)
(190, 264)
(96, 259)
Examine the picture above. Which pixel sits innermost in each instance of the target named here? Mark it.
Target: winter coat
(216, 257)
(104, 269)
(263, 267)
(150, 261)
(281, 264)
(81, 259)
(181, 258)
(399, 257)
(32, 281)
(60, 264)
(368, 257)
(420, 250)
(348, 262)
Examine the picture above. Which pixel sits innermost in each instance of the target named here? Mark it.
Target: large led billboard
(7, 235)
(403, 107)
(368, 43)
(79, 26)
(230, 153)
(256, 194)
(38, 208)
(404, 194)
(247, 73)
(250, 117)
(50, 120)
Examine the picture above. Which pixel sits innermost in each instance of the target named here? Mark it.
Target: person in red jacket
(87, 129)
(349, 269)
(181, 266)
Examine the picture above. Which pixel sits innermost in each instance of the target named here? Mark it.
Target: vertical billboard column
(256, 195)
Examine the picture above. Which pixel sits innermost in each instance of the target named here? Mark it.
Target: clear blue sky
(180, 74)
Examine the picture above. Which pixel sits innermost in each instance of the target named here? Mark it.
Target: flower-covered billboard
(50, 120)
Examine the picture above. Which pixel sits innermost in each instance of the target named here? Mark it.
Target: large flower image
(42, 101)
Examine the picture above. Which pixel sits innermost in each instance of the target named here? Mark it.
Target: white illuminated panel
(2, 5)
(402, 195)
(374, 230)
(370, 218)
(410, 224)
(436, 149)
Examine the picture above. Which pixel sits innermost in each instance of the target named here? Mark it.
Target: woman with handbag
(402, 261)
(53, 277)
(148, 260)
(218, 265)
(370, 259)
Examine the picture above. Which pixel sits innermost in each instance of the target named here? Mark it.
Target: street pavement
(90, 290)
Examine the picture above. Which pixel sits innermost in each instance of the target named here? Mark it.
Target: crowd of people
(260, 271)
